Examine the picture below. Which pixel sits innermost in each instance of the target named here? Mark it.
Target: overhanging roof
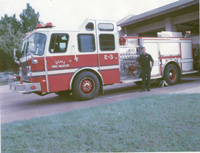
(167, 9)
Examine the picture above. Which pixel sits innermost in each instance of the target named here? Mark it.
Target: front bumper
(25, 87)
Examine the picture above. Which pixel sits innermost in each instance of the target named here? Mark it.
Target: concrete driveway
(15, 106)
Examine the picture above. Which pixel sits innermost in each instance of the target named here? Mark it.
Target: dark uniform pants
(146, 73)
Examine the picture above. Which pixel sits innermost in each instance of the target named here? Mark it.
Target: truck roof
(67, 29)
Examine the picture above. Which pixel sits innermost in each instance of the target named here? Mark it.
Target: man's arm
(151, 59)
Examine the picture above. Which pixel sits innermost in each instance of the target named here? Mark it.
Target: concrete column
(169, 26)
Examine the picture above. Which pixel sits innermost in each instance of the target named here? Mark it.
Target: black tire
(86, 86)
(172, 74)
(63, 93)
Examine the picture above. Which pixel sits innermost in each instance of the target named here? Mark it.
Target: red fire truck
(83, 60)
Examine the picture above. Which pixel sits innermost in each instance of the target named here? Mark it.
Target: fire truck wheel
(86, 86)
(172, 75)
(63, 93)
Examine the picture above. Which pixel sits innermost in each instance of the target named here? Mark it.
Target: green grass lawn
(153, 123)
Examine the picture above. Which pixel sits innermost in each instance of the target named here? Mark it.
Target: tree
(9, 39)
(15, 24)
(11, 33)
(29, 19)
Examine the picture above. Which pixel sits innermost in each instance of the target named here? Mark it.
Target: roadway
(15, 106)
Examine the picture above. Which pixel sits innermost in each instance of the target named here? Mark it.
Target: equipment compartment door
(153, 50)
(186, 54)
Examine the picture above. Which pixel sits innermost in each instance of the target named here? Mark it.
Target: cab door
(107, 38)
(59, 61)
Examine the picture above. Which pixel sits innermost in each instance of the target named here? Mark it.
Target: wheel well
(174, 63)
(93, 71)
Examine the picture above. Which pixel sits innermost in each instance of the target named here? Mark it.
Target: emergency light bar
(47, 25)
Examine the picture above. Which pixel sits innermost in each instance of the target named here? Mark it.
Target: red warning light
(39, 26)
(48, 25)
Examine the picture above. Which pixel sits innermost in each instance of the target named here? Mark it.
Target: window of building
(59, 43)
(107, 42)
(86, 43)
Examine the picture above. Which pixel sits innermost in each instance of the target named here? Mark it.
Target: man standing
(144, 61)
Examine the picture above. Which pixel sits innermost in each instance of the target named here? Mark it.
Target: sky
(71, 13)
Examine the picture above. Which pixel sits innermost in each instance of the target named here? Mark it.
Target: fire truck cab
(83, 60)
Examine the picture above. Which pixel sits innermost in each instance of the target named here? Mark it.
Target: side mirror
(14, 56)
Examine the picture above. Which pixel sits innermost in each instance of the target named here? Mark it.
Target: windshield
(35, 44)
